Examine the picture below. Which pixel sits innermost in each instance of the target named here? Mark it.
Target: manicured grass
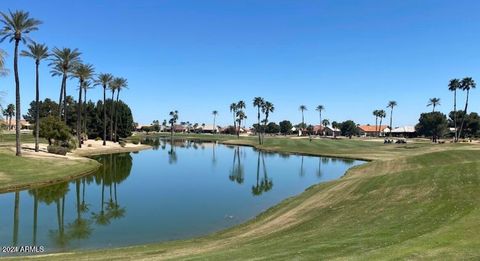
(414, 201)
(27, 172)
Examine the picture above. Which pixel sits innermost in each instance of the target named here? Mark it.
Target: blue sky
(198, 56)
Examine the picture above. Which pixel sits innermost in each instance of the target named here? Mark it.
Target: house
(331, 131)
(207, 128)
(24, 125)
(318, 130)
(371, 131)
(405, 131)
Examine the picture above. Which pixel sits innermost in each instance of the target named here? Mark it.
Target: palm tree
(83, 72)
(391, 105)
(63, 62)
(267, 109)
(434, 102)
(453, 86)
(466, 84)
(233, 109)
(240, 105)
(86, 86)
(37, 52)
(10, 112)
(375, 113)
(16, 26)
(173, 120)
(320, 108)
(104, 79)
(120, 84)
(302, 108)
(258, 102)
(214, 113)
(381, 114)
(113, 87)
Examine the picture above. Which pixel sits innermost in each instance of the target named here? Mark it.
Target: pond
(179, 189)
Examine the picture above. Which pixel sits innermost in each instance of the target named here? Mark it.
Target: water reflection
(114, 206)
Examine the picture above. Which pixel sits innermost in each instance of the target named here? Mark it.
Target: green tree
(348, 128)
(104, 79)
(215, 114)
(432, 124)
(240, 115)
(376, 114)
(172, 121)
(16, 27)
(120, 83)
(302, 108)
(37, 52)
(52, 128)
(259, 103)
(381, 114)
(83, 72)
(466, 84)
(233, 109)
(63, 62)
(433, 102)
(272, 127)
(453, 86)
(320, 108)
(10, 112)
(267, 108)
(285, 127)
(391, 105)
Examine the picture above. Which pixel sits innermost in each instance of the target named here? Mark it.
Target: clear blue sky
(198, 56)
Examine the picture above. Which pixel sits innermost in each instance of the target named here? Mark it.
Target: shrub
(122, 143)
(135, 142)
(98, 138)
(57, 150)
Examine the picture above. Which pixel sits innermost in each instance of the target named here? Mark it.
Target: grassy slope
(26, 172)
(423, 203)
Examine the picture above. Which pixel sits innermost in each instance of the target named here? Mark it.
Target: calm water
(178, 190)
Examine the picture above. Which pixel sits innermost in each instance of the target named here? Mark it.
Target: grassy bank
(411, 201)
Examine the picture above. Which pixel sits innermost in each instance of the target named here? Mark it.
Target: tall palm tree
(302, 108)
(16, 27)
(86, 86)
(172, 121)
(63, 62)
(10, 113)
(433, 102)
(240, 106)
(320, 108)
(104, 79)
(453, 86)
(37, 52)
(381, 114)
(267, 108)
(233, 109)
(391, 105)
(466, 84)
(375, 113)
(83, 72)
(258, 102)
(113, 87)
(214, 113)
(121, 83)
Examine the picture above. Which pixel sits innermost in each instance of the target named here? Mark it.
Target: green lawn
(27, 172)
(414, 201)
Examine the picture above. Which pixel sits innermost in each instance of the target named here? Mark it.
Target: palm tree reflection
(237, 172)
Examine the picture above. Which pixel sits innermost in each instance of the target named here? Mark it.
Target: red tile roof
(371, 128)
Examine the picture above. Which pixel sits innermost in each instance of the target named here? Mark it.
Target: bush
(135, 142)
(57, 150)
(98, 138)
(122, 143)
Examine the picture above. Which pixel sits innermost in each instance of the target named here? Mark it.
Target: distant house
(318, 130)
(24, 125)
(371, 130)
(207, 128)
(331, 131)
(405, 131)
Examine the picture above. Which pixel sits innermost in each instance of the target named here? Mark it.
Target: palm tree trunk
(79, 115)
(104, 116)
(61, 97)
(65, 111)
(391, 116)
(234, 122)
(258, 126)
(37, 110)
(455, 114)
(116, 116)
(380, 127)
(17, 102)
(111, 117)
(376, 126)
(85, 110)
(464, 115)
